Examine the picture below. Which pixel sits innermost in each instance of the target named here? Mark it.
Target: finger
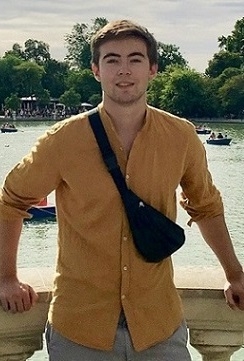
(25, 299)
(12, 308)
(230, 301)
(5, 305)
(239, 301)
(33, 296)
(20, 301)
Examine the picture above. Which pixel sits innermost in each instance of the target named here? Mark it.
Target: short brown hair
(122, 29)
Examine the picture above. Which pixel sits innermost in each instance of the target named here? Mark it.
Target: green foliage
(78, 43)
(234, 43)
(28, 78)
(84, 83)
(37, 51)
(34, 50)
(16, 52)
(13, 102)
(222, 61)
(181, 91)
(95, 99)
(169, 54)
(31, 71)
(184, 93)
(232, 96)
(8, 76)
(54, 78)
(231, 54)
(43, 97)
(154, 90)
(70, 98)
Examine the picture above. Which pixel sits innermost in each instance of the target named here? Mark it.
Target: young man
(108, 303)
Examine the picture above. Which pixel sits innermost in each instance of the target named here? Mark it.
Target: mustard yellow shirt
(99, 271)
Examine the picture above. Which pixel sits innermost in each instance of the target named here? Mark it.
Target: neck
(128, 120)
(130, 117)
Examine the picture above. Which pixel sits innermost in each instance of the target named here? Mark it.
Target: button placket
(124, 263)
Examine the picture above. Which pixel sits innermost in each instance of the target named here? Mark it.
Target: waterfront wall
(215, 330)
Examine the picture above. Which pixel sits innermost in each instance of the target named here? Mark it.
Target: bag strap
(107, 151)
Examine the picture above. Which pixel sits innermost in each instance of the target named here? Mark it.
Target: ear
(153, 71)
(95, 71)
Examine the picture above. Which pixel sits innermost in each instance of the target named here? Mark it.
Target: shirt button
(123, 297)
(125, 238)
(125, 268)
(120, 148)
(127, 176)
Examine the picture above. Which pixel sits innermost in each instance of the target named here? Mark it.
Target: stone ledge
(216, 331)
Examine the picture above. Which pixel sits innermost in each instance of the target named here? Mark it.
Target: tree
(8, 73)
(232, 96)
(223, 60)
(37, 51)
(55, 77)
(70, 98)
(183, 92)
(84, 83)
(155, 87)
(234, 43)
(16, 51)
(28, 78)
(169, 54)
(34, 50)
(231, 54)
(43, 98)
(95, 99)
(78, 43)
(12, 102)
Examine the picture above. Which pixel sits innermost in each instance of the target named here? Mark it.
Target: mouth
(124, 84)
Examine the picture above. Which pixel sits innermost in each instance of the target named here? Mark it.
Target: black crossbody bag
(155, 236)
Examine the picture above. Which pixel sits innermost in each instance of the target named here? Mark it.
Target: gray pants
(173, 349)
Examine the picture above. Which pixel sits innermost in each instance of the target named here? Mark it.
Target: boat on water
(8, 128)
(40, 213)
(219, 141)
(202, 130)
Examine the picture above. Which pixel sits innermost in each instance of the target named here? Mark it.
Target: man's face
(124, 70)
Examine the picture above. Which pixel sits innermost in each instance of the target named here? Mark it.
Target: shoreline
(43, 119)
(217, 120)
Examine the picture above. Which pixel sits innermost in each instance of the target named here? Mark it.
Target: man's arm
(215, 233)
(15, 296)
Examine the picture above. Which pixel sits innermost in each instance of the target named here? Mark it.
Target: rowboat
(219, 141)
(202, 130)
(42, 212)
(5, 129)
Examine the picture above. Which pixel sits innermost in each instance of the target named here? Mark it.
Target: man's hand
(234, 293)
(16, 296)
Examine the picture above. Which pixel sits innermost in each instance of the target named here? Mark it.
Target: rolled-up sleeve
(200, 197)
(33, 178)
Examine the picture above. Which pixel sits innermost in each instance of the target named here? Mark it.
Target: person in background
(109, 304)
(212, 135)
(220, 135)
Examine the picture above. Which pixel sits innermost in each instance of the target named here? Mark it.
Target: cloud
(192, 25)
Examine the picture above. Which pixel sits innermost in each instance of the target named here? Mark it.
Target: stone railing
(215, 330)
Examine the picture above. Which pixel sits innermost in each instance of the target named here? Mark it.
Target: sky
(192, 25)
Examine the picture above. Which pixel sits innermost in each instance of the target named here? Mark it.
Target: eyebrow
(136, 53)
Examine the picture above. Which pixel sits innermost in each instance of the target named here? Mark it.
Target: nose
(121, 72)
(124, 69)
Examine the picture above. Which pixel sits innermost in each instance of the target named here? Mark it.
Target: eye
(136, 60)
(112, 61)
